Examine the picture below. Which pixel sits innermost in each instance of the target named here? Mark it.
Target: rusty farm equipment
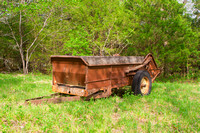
(85, 77)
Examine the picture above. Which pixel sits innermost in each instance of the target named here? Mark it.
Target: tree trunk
(25, 70)
(165, 67)
(4, 64)
(187, 69)
(25, 67)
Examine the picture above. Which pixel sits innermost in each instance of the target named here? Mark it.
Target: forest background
(33, 30)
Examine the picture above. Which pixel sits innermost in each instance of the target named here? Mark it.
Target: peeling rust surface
(69, 72)
(95, 73)
(71, 90)
(93, 76)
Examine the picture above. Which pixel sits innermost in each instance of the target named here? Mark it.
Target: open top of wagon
(103, 60)
(96, 76)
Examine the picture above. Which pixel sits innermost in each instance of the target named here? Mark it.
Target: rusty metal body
(86, 76)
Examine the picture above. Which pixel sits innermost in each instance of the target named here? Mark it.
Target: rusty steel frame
(54, 98)
(59, 98)
(96, 76)
(66, 89)
(83, 76)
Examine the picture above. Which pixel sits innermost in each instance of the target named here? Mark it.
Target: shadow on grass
(126, 94)
(119, 92)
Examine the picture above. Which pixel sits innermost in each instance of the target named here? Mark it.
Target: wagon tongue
(53, 98)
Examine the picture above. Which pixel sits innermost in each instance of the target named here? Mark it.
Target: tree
(8, 52)
(98, 27)
(165, 31)
(26, 21)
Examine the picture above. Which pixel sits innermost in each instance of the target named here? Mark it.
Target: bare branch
(39, 44)
(44, 24)
(107, 36)
(25, 41)
(97, 46)
(45, 48)
(122, 49)
(3, 21)
(13, 35)
(32, 52)
(20, 28)
(106, 40)
(10, 35)
(122, 46)
(29, 32)
(27, 54)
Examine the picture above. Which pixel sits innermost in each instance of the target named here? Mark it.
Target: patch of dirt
(117, 131)
(116, 116)
(20, 75)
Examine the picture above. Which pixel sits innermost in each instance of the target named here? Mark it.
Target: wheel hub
(144, 85)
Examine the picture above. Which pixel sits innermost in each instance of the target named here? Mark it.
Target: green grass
(171, 107)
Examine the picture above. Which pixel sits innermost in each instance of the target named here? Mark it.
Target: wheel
(142, 83)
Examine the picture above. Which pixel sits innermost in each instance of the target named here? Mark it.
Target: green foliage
(77, 43)
(105, 26)
(164, 31)
(98, 27)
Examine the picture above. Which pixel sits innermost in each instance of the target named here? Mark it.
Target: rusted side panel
(118, 77)
(119, 71)
(71, 90)
(107, 77)
(120, 82)
(99, 85)
(153, 70)
(99, 73)
(98, 77)
(68, 71)
(151, 67)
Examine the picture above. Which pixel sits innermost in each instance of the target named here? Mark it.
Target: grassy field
(171, 107)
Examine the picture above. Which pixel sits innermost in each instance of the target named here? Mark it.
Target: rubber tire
(137, 81)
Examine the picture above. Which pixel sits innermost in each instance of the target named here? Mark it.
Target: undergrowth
(171, 107)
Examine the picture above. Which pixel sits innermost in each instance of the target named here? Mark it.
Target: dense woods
(32, 30)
